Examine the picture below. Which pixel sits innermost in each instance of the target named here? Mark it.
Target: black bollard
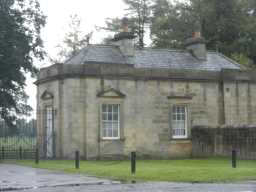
(234, 158)
(77, 158)
(3, 153)
(20, 152)
(37, 156)
(133, 162)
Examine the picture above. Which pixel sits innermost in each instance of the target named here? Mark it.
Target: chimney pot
(197, 34)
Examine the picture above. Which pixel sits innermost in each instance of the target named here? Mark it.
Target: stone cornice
(123, 71)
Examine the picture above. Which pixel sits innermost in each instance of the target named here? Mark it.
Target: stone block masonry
(145, 97)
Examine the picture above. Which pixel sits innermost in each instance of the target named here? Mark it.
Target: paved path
(19, 178)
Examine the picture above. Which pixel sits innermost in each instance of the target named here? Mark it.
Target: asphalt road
(19, 178)
(153, 187)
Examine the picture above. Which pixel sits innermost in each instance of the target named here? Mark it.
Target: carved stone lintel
(180, 96)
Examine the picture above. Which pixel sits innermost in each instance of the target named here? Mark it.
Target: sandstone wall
(145, 113)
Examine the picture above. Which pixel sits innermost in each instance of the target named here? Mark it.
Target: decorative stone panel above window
(47, 95)
(111, 93)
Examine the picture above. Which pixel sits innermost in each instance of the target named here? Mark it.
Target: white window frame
(110, 121)
(185, 121)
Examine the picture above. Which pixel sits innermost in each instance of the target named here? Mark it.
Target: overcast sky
(92, 12)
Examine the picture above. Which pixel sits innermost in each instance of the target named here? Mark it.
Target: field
(187, 170)
(16, 142)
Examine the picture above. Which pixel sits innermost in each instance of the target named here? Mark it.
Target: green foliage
(187, 170)
(171, 24)
(242, 59)
(20, 44)
(112, 24)
(228, 26)
(138, 13)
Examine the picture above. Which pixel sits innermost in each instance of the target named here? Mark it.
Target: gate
(18, 142)
(21, 140)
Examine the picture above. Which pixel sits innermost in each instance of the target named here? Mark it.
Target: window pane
(115, 116)
(109, 108)
(110, 120)
(109, 117)
(115, 108)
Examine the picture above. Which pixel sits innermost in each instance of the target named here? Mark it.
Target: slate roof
(152, 58)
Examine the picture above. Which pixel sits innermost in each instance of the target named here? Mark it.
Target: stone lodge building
(112, 99)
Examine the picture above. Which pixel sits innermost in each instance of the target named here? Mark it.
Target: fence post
(234, 158)
(77, 158)
(3, 153)
(20, 152)
(133, 162)
(37, 156)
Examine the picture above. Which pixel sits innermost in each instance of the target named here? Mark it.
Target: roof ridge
(162, 49)
(174, 50)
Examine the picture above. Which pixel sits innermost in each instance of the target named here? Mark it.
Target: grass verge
(188, 170)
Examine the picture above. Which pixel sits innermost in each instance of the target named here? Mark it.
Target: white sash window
(110, 121)
(179, 121)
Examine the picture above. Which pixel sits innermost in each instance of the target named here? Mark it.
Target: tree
(138, 13)
(247, 41)
(20, 44)
(228, 26)
(75, 39)
(171, 24)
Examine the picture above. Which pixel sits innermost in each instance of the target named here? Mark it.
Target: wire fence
(20, 140)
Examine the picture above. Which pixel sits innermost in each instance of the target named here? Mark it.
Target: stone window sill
(111, 139)
(177, 141)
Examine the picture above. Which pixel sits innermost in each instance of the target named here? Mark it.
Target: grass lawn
(14, 142)
(190, 170)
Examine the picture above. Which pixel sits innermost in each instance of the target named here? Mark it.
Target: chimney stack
(196, 46)
(125, 25)
(124, 40)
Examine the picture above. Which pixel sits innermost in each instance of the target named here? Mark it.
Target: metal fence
(18, 141)
(207, 142)
(22, 139)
